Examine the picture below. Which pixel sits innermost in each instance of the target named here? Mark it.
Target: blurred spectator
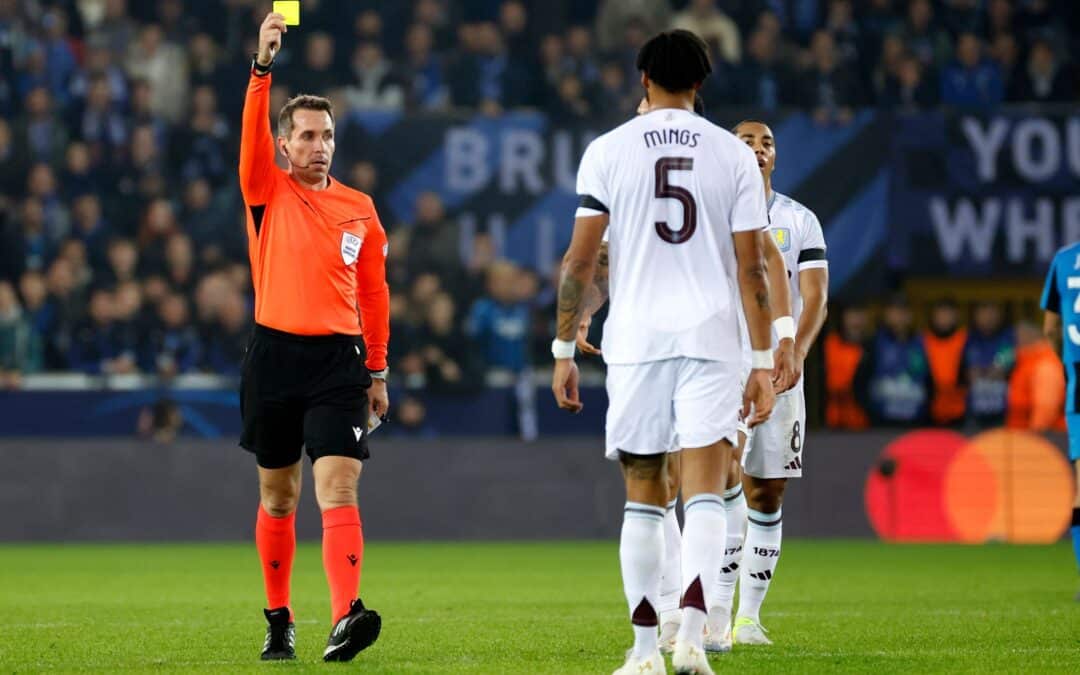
(840, 23)
(944, 341)
(68, 301)
(581, 56)
(114, 29)
(40, 312)
(94, 348)
(1006, 53)
(209, 68)
(426, 82)
(20, 346)
(174, 346)
(963, 16)
(123, 261)
(909, 89)
(42, 185)
(40, 128)
(78, 177)
(894, 371)
(926, 40)
(615, 16)
(999, 19)
(159, 224)
(32, 239)
(447, 356)
(1044, 80)
(12, 163)
(481, 75)
(317, 73)
(180, 261)
(204, 140)
(499, 325)
(59, 52)
(989, 358)
(830, 88)
(89, 227)
(763, 80)
(208, 219)
(711, 24)
(972, 80)
(99, 123)
(164, 65)
(435, 240)
(514, 25)
(364, 176)
(226, 341)
(375, 83)
(1037, 384)
(74, 251)
(844, 351)
(571, 104)
(878, 18)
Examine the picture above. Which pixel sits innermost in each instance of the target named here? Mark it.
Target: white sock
(735, 516)
(671, 575)
(641, 553)
(704, 534)
(762, 552)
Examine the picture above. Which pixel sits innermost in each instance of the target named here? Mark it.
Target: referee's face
(310, 146)
(760, 139)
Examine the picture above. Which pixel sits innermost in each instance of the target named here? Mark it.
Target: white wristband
(785, 328)
(562, 349)
(761, 359)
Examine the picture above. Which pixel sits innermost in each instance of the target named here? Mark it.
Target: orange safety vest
(842, 359)
(945, 355)
(1037, 389)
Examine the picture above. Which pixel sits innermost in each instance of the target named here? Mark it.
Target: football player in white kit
(773, 452)
(718, 637)
(687, 219)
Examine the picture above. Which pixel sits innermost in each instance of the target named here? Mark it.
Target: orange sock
(343, 556)
(276, 540)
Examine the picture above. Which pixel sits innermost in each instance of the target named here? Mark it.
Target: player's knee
(280, 504)
(335, 493)
(642, 467)
(765, 495)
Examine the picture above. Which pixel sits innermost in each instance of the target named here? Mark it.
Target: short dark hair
(750, 120)
(301, 102)
(676, 60)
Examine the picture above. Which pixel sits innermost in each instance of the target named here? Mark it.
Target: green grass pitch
(533, 608)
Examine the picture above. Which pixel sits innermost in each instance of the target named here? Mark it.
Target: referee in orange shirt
(315, 368)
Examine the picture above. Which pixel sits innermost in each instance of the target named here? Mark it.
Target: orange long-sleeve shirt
(318, 257)
(1037, 389)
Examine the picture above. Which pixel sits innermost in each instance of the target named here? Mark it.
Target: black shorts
(301, 391)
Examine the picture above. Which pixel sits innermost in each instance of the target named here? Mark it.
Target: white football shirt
(676, 187)
(798, 235)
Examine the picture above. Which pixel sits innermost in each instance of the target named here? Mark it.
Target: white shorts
(663, 406)
(774, 449)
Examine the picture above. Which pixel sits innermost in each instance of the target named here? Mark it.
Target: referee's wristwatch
(380, 374)
(258, 68)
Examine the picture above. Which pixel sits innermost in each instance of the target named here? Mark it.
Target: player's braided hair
(676, 60)
(301, 102)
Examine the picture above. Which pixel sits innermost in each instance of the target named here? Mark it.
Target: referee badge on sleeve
(350, 247)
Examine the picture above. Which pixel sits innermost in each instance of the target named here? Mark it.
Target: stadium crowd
(121, 233)
(982, 373)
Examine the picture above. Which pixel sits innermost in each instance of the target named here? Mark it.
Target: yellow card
(290, 9)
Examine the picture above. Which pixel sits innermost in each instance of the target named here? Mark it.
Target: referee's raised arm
(314, 374)
(256, 139)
